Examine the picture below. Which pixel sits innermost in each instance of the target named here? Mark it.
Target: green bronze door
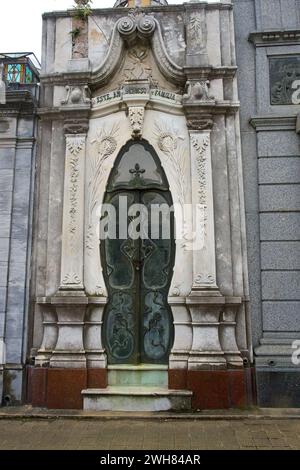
(137, 258)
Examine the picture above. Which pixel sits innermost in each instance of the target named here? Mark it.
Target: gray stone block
(3, 293)
(14, 350)
(275, 198)
(279, 170)
(278, 144)
(3, 274)
(7, 158)
(289, 19)
(278, 388)
(19, 228)
(25, 127)
(2, 324)
(280, 285)
(280, 226)
(280, 255)
(14, 326)
(245, 22)
(281, 316)
(18, 250)
(4, 249)
(6, 180)
(269, 14)
(250, 171)
(23, 158)
(5, 225)
(253, 253)
(22, 190)
(5, 202)
(15, 300)
(17, 274)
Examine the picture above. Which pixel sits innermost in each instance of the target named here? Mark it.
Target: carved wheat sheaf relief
(106, 144)
(172, 145)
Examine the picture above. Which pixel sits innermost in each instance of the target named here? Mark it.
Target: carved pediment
(137, 49)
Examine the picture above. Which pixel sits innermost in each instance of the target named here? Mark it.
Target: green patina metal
(138, 323)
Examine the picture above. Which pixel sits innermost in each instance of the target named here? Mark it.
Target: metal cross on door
(138, 264)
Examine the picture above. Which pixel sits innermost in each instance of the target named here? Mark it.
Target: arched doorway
(137, 257)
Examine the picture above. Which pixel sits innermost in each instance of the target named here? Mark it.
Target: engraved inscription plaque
(285, 80)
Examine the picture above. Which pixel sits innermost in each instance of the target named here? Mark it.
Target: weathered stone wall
(268, 56)
(17, 158)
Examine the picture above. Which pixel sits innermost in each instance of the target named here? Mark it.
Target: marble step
(116, 398)
(142, 375)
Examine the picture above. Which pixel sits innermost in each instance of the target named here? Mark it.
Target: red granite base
(215, 389)
(61, 388)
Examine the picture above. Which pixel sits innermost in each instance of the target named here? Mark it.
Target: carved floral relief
(106, 144)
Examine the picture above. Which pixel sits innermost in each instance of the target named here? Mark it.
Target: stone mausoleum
(193, 106)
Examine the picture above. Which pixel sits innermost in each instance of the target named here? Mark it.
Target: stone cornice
(83, 78)
(64, 113)
(18, 102)
(275, 37)
(198, 109)
(166, 8)
(69, 300)
(271, 123)
(194, 111)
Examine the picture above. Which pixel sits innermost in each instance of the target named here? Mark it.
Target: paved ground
(63, 433)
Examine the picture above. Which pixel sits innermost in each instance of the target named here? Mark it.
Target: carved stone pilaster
(50, 335)
(95, 352)
(206, 352)
(204, 256)
(228, 334)
(69, 350)
(73, 213)
(183, 339)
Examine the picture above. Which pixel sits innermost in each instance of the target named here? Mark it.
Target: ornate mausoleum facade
(139, 107)
(143, 103)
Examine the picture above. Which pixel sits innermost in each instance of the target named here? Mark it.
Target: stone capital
(76, 126)
(200, 123)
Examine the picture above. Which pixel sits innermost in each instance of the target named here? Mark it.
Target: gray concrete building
(268, 56)
(18, 128)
